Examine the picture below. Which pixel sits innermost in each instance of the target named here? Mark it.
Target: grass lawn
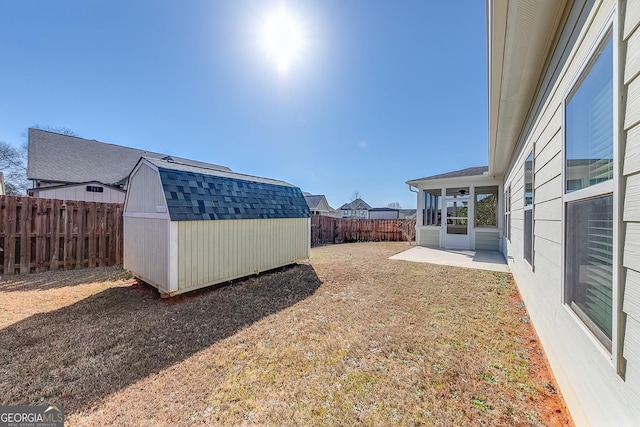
(350, 338)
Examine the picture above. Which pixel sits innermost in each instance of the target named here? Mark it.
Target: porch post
(443, 217)
(471, 215)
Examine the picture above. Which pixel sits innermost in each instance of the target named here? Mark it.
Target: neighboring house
(55, 159)
(187, 227)
(92, 191)
(564, 158)
(384, 213)
(357, 209)
(318, 204)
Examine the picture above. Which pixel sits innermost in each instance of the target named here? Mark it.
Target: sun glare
(282, 37)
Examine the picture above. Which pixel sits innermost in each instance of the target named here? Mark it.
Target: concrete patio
(481, 260)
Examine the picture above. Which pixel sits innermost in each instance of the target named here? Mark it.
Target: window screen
(589, 263)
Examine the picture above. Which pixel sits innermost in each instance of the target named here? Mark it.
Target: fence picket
(43, 234)
(330, 230)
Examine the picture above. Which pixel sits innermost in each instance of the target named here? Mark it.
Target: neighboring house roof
(462, 173)
(202, 193)
(317, 202)
(384, 210)
(62, 158)
(313, 200)
(356, 205)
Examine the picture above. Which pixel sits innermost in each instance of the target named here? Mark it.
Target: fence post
(10, 238)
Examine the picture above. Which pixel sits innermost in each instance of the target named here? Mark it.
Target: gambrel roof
(201, 193)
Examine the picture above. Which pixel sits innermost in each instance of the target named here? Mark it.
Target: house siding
(487, 241)
(79, 192)
(428, 237)
(631, 197)
(595, 393)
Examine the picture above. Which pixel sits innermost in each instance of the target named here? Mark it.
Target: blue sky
(383, 92)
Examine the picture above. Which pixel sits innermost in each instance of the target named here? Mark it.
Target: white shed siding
(146, 250)
(146, 194)
(595, 393)
(79, 192)
(212, 252)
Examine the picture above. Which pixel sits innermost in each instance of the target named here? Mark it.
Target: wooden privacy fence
(329, 230)
(42, 234)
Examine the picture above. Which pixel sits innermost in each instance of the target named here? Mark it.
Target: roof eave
(520, 35)
(451, 182)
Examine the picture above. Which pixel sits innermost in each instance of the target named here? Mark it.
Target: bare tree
(55, 129)
(10, 157)
(394, 205)
(408, 229)
(355, 195)
(13, 163)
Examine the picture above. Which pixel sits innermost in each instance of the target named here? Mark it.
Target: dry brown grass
(351, 338)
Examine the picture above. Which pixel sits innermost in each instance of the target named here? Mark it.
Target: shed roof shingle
(198, 193)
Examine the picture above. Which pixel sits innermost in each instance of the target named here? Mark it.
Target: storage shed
(187, 227)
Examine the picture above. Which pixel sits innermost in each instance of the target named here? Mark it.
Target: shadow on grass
(61, 279)
(79, 354)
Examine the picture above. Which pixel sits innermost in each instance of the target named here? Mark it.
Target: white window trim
(507, 213)
(601, 189)
(529, 207)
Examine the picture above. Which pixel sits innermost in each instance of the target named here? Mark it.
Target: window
(431, 214)
(589, 213)
(589, 245)
(528, 209)
(589, 120)
(507, 213)
(486, 207)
